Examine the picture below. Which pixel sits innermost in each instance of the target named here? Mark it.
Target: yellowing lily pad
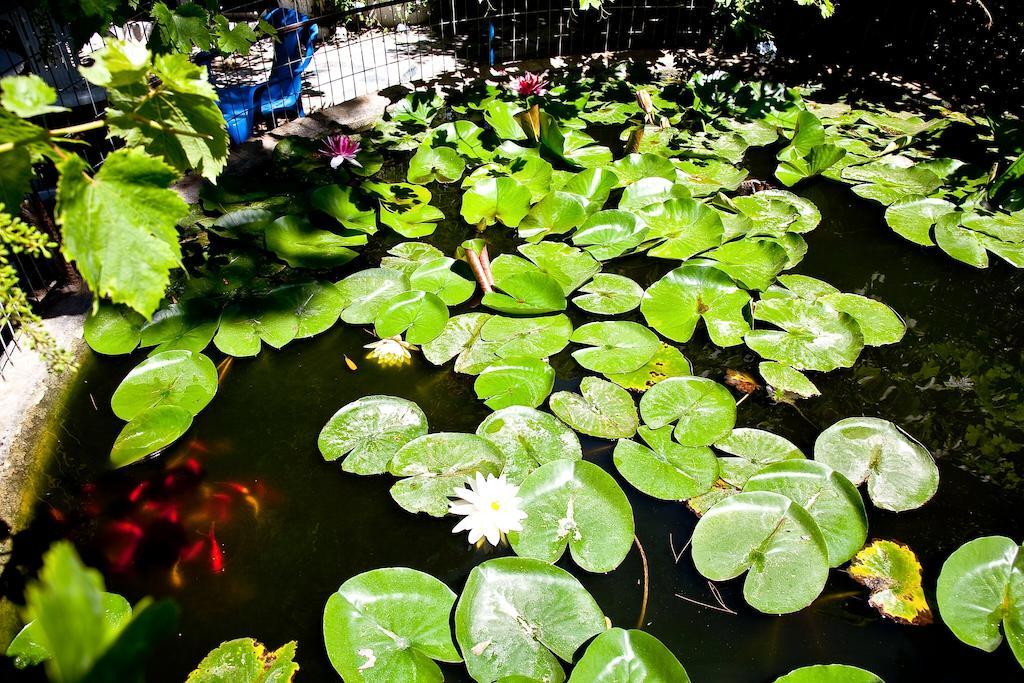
(892, 572)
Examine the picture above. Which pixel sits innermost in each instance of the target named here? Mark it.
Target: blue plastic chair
(292, 54)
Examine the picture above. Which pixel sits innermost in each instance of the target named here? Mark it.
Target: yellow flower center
(495, 505)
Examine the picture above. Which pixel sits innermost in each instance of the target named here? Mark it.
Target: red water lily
(339, 149)
(529, 84)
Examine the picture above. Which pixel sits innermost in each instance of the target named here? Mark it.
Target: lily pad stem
(643, 604)
(478, 270)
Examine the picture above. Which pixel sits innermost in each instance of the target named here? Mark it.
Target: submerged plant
(491, 509)
(529, 84)
(340, 149)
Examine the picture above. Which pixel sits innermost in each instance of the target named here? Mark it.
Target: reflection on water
(249, 529)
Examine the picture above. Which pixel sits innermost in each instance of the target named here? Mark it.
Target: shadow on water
(250, 531)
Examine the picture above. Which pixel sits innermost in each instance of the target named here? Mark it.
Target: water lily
(491, 507)
(339, 149)
(391, 351)
(529, 84)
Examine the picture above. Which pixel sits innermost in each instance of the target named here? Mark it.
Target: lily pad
(338, 203)
(437, 277)
(634, 167)
(608, 294)
(900, 472)
(569, 266)
(113, 329)
(610, 234)
(441, 164)
(829, 673)
(786, 381)
(435, 464)
(300, 245)
(893, 574)
(981, 587)
(687, 227)
(366, 292)
(556, 213)
(601, 409)
(517, 616)
(667, 361)
(830, 498)
(665, 470)
(771, 538)
(704, 411)
(246, 661)
(678, 301)
(618, 655)
(615, 347)
(369, 431)
(182, 326)
(594, 185)
(649, 191)
(148, 432)
(493, 200)
(812, 335)
(389, 625)
(528, 438)
(532, 337)
(418, 220)
(184, 379)
(705, 177)
(574, 504)
(461, 338)
(420, 315)
(531, 291)
(913, 217)
(515, 381)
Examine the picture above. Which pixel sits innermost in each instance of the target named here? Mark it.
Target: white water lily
(391, 351)
(491, 507)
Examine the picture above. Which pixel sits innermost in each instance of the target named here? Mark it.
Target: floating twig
(643, 605)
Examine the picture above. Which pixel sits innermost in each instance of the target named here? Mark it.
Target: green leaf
(753, 263)
(900, 472)
(461, 338)
(369, 431)
(231, 39)
(315, 306)
(678, 301)
(525, 292)
(649, 191)
(119, 225)
(246, 661)
(512, 619)
(28, 96)
(610, 234)
(812, 335)
(666, 470)
(501, 116)
(435, 465)
(786, 380)
(832, 501)
(436, 277)
(705, 177)
(608, 294)
(463, 136)
(687, 227)
(113, 330)
(570, 267)
(496, 199)
(417, 221)
(887, 182)
(148, 432)
(705, 410)
(338, 203)
(172, 378)
(980, 587)
(574, 504)
(528, 438)
(515, 381)
(441, 164)
(893, 574)
(829, 673)
(594, 185)
(960, 242)
(601, 409)
(556, 213)
(366, 292)
(300, 245)
(179, 326)
(634, 167)
(667, 361)
(531, 337)
(615, 347)
(420, 315)
(618, 655)
(771, 538)
(183, 27)
(388, 625)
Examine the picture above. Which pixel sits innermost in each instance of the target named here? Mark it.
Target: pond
(247, 527)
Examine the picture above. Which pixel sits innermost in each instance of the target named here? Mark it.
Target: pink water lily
(529, 84)
(339, 149)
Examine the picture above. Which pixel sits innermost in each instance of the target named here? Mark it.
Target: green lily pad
(667, 361)
(420, 315)
(531, 291)
(435, 464)
(771, 538)
(687, 227)
(610, 234)
(812, 335)
(501, 116)
(511, 619)
(678, 301)
(418, 220)
(515, 381)
(389, 625)
(705, 177)
(437, 277)
(786, 381)
(184, 379)
(616, 347)
(493, 200)
(365, 293)
(594, 185)
(528, 438)
(574, 504)
(829, 673)
(532, 337)
(569, 266)
(601, 409)
(461, 338)
(246, 661)
(981, 587)
(618, 655)
(181, 326)
(666, 470)
(148, 432)
(463, 136)
(556, 213)
(338, 203)
(441, 164)
(113, 329)
(300, 245)
(608, 294)
(704, 411)
(913, 217)
(900, 472)
(369, 431)
(888, 182)
(830, 498)
(649, 191)
(315, 305)
(634, 167)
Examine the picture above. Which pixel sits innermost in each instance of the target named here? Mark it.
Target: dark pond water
(292, 527)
